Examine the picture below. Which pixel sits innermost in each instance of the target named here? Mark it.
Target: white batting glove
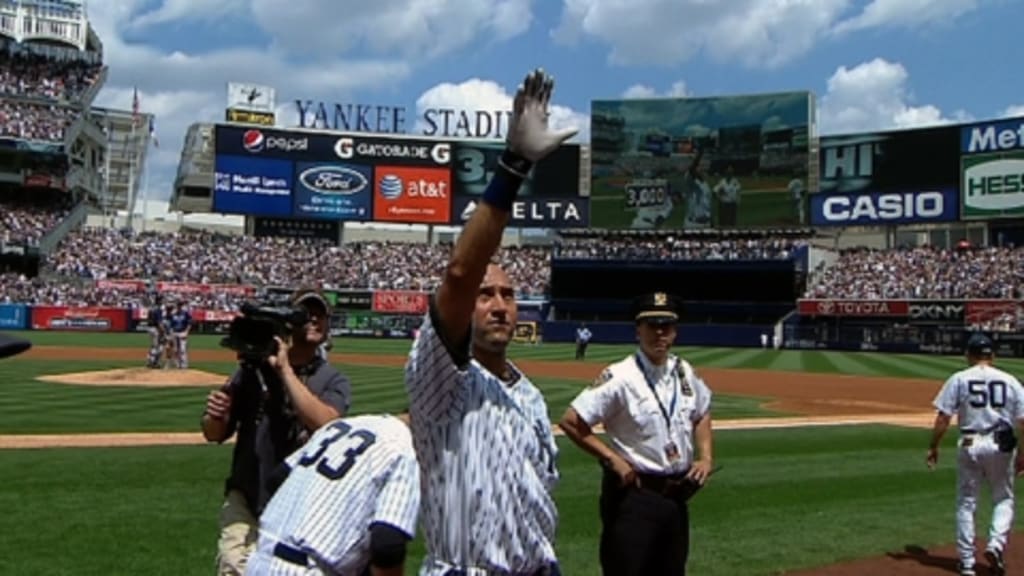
(528, 134)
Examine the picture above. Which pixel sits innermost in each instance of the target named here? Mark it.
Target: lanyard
(675, 395)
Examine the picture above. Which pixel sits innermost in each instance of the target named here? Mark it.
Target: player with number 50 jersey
(989, 404)
(348, 506)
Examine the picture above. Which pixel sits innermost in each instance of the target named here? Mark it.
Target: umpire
(299, 393)
(656, 412)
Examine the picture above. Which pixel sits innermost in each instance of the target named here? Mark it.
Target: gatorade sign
(992, 185)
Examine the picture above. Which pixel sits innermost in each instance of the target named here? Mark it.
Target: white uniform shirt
(487, 458)
(981, 397)
(375, 479)
(728, 190)
(622, 399)
(583, 335)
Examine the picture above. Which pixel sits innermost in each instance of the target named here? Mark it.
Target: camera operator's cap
(310, 295)
(11, 346)
(655, 308)
(980, 345)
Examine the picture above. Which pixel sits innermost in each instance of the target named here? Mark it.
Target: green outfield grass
(786, 498)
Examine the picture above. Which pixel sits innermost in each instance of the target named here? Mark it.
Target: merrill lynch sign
(440, 122)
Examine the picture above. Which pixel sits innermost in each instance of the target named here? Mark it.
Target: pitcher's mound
(143, 377)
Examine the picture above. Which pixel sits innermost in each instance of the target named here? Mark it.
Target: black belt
(289, 554)
(666, 485)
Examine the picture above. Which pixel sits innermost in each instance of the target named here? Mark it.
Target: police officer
(656, 412)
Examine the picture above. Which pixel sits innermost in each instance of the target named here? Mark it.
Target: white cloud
(413, 28)
(875, 95)
(1015, 110)
(676, 90)
(181, 88)
(477, 94)
(906, 13)
(190, 10)
(666, 32)
(756, 33)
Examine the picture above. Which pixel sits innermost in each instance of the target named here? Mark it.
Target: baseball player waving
(989, 404)
(348, 506)
(481, 429)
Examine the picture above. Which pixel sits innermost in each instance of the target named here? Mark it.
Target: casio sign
(882, 207)
(333, 180)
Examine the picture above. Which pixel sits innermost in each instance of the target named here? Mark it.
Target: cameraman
(302, 392)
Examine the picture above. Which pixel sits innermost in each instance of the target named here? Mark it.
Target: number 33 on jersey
(982, 396)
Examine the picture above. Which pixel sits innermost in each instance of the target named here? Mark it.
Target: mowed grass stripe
(785, 499)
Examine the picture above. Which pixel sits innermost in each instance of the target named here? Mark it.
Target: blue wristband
(503, 188)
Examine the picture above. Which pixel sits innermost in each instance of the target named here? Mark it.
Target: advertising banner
(404, 194)
(291, 228)
(533, 212)
(191, 288)
(13, 316)
(936, 312)
(557, 175)
(893, 161)
(122, 285)
(203, 315)
(400, 301)
(256, 186)
(1007, 312)
(249, 117)
(91, 319)
(308, 146)
(882, 208)
(993, 185)
(353, 300)
(729, 161)
(863, 308)
(333, 191)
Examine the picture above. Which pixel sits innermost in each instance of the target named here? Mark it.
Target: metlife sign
(992, 185)
(986, 137)
(884, 208)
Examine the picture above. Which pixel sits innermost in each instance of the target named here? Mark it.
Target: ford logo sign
(334, 180)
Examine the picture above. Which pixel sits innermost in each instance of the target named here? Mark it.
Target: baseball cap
(305, 296)
(980, 345)
(11, 346)
(655, 308)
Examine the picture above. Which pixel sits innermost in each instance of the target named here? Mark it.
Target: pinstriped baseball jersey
(981, 397)
(351, 473)
(487, 462)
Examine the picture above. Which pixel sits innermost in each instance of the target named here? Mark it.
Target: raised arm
(529, 140)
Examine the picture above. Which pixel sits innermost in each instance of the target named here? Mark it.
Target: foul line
(27, 441)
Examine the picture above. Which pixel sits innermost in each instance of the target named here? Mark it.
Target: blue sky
(872, 64)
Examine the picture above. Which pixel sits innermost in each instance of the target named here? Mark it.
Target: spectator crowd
(25, 223)
(37, 93)
(923, 273)
(669, 248)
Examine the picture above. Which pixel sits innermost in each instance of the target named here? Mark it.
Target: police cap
(979, 345)
(655, 308)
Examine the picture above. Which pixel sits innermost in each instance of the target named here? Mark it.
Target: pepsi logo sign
(333, 180)
(253, 140)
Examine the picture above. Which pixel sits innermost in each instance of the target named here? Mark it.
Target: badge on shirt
(671, 452)
(602, 378)
(683, 382)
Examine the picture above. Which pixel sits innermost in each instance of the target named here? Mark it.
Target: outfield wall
(905, 326)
